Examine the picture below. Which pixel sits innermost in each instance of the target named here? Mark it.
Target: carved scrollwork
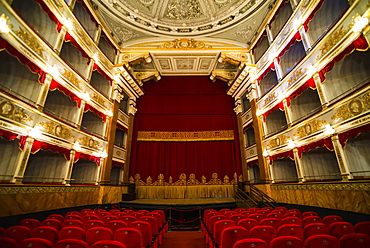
(184, 43)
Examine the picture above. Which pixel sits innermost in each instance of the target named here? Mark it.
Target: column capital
(238, 107)
(132, 107)
(252, 92)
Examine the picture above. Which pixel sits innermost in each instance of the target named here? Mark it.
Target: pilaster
(22, 161)
(341, 158)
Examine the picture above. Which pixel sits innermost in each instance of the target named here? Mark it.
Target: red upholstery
(230, 213)
(352, 240)
(212, 222)
(257, 216)
(71, 243)
(237, 217)
(291, 220)
(108, 244)
(30, 223)
(153, 224)
(238, 210)
(268, 209)
(222, 211)
(73, 213)
(112, 211)
(143, 211)
(321, 241)
(35, 243)
(314, 229)
(131, 237)
(253, 209)
(8, 243)
(101, 214)
(309, 213)
(120, 214)
(2, 231)
(98, 233)
(90, 217)
(311, 219)
(363, 227)
(93, 223)
(248, 223)
(158, 217)
(77, 223)
(137, 215)
(114, 225)
(281, 208)
(290, 230)
(145, 229)
(72, 232)
(72, 217)
(45, 232)
(293, 211)
(18, 233)
(163, 215)
(57, 224)
(128, 211)
(250, 242)
(108, 218)
(275, 223)
(56, 216)
(128, 219)
(100, 211)
(264, 212)
(330, 219)
(232, 234)
(292, 214)
(287, 241)
(219, 226)
(275, 215)
(338, 229)
(86, 210)
(267, 233)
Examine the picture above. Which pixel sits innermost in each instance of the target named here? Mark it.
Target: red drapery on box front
(324, 142)
(280, 106)
(313, 13)
(80, 155)
(96, 67)
(309, 84)
(343, 137)
(185, 104)
(95, 111)
(55, 85)
(251, 163)
(297, 37)
(268, 69)
(8, 135)
(118, 164)
(289, 154)
(40, 145)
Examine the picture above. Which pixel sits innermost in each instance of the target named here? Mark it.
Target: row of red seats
(57, 228)
(270, 228)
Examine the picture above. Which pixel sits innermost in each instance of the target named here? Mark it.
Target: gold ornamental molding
(183, 181)
(186, 136)
(354, 107)
(145, 76)
(332, 41)
(129, 59)
(233, 58)
(71, 78)
(225, 76)
(32, 190)
(57, 130)
(89, 142)
(339, 186)
(99, 99)
(310, 127)
(13, 112)
(278, 141)
(184, 44)
(31, 42)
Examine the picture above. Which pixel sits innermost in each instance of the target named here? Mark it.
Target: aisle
(184, 239)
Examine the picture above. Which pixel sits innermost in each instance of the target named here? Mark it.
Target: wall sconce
(35, 132)
(4, 26)
(359, 23)
(291, 144)
(328, 130)
(265, 153)
(68, 24)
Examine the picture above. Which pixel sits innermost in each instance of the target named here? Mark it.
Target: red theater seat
(30, 223)
(71, 243)
(35, 243)
(131, 237)
(120, 214)
(219, 227)
(267, 233)
(108, 218)
(114, 225)
(211, 224)
(237, 217)
(257, 216)
(128, 219)
(338, 229)
(108, 244)
(287, 241)
(56, 216)
(275, 223)
(248, 223)
(90, 217)
(93, 223)
(72, 232)
(314, 229)
(330, 219)
(230, 235)
(73, 217)
(352, 240)
(321, 241)
(143, 211)
(281, 209)
(2, 231)
(57, 224)
(95, 234)
(267, 208)
(45, 232)
(363, 227)
(145, 229)
(154, 225)
(291, 220)
(77, 223)
(309, 213)
(18, 233)
(311, 219)
(251, 242)
(290, 230)
(112, 211)
(73, 213)
(8, 243)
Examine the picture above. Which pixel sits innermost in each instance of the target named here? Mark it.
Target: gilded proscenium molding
(31, 42)
(57, 130)
(278, 141)
(354, 107)
(182, 181)
(145, 76)
(185, 136)
(233, 58)
(326, 186)
(310, 127)
(11, 111)
(129, 59)
(226, 76)
(184, 44)
(32, 190)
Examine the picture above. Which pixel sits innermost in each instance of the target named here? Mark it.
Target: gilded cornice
(324, 186)
(225, 76)
(10, 110)
(184, 44)
(57, 130)
(31, 42)
(278, 141)
(310, 128)
(145, 76)
(46, 189)
(353, 108)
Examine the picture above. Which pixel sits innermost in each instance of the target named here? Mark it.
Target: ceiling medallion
(184, 43)
(181, 10)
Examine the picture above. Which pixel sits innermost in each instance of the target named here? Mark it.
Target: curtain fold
(95, 111)
(55, 85)
(80, 155)
(343, 137)
(324, 142)
(289, 154)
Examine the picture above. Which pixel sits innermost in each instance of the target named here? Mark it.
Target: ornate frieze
(184, 43)
(324, 186)
(99, 99)
(14, 112)
(331, 41)
(129, 59)
(233, 58)
(71, 77)
(278, 141)
(89, 142)
(225, 76)
(31, 42)
(310, 128)
(352, 108)
(32, 190)
(183, 10)
(186, 136)
(57, 130)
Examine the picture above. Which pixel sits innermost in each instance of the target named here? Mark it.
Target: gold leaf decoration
(278, 141)
(99, 99)
(184, 43)
(57, 130)
(31, 42)
(71, 78)
(89, 142)
(352, 108)
(14, 112)
(332, 41)
(309, 128)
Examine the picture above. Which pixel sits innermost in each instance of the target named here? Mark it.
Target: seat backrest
(257, 216)
(267, 208)
(108, 218)
(351, 240)
(114, 225)
(267, 233)
(93, 223)
(86, 210)
(71, 243)
(120, 214)
(72, 217)
(314, 229)
(290, 230)
(247, 223)
(321, 241)
(311, 219)
(112, 211)
(108, 244)
(152, 221)
(338, 229)
(35, 243)
(309, 213)
(287, 241)
(90, 217)
(291, 220)
(281, 208)
(237, 217)
(145, 229)
(72, 232)
(18, 233)
(45, 232)
(253, 209)
(209, 216)
(100, 211)
(57, 224)
(292, 214)
(274, 222)
(230, 235)
(363, 227)
(98, 233)
(328, 220)
(143, 211)
(219, 227)
(2, 231)
(128, 219)
(73, 213)
(131, 237)
(77, 223)
(8, 242)
(251, 242)
(264, 212)
(56, 216)
(30, 223)
(213, 220)
(137, 215)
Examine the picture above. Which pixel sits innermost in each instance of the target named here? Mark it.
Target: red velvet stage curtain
(181, 104)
